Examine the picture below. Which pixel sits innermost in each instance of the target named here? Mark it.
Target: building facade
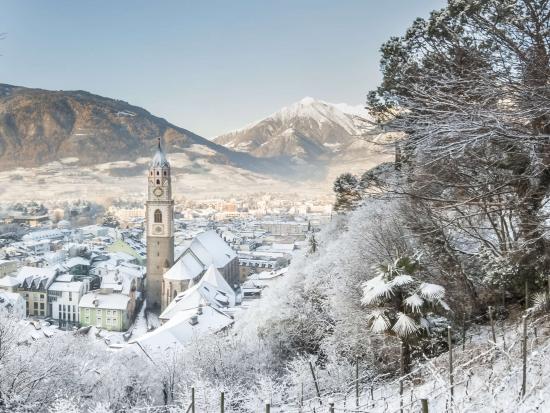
(63, 298)
(106, 311)
(160, 227)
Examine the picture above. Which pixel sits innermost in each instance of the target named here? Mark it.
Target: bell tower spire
(159, 227)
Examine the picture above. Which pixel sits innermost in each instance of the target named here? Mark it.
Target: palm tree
(401, 305)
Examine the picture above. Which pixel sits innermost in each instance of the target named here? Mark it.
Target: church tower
(159, 214)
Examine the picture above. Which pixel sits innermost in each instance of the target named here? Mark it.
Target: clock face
(158, 192)
(158, 229)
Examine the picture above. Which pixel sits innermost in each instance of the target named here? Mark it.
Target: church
(167, 277)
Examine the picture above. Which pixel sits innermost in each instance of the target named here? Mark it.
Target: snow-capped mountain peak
(309, 128)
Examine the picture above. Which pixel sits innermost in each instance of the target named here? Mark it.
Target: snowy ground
(487, 378)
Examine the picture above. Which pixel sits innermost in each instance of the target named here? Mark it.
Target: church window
(151, 173)
(164, 173)
(158, 216)
(158, 173)
(158, 181)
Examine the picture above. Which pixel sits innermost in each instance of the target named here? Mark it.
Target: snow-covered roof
(214, 278)
(210, 248)
(71, 262)
(9, 281)
(105, 301)
(64, 278)
(73, 286)
(36, 277)
(180, 331)
(187, 267)
(212, 289)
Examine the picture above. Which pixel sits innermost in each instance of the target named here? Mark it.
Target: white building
(63, 298)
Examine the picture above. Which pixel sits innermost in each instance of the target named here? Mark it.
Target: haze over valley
(73, 144)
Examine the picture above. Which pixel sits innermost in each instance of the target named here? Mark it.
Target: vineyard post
(524, 378)
(450, 343)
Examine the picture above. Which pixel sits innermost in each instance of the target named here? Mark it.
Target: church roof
(186, 268)
(159, 160)
(210, 248)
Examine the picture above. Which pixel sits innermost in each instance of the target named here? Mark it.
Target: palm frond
(414, 302)
(401, 280)
(380, 323)
(432, 292)
(405, 325)
(375, 290)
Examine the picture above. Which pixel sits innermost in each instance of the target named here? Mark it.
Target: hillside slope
(40, 126)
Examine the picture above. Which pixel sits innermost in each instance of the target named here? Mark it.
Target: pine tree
(348, 193)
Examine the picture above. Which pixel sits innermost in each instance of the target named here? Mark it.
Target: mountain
(308, 130)
(40, 126)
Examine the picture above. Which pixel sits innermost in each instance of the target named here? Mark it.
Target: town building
(64, 298)
(33, 286)
(109, 311)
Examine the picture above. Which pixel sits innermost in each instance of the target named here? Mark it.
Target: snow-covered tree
(401, 304)
(313, 246)
(348, 194)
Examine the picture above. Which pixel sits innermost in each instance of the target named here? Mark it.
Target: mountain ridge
(38, 126)
(309, 130)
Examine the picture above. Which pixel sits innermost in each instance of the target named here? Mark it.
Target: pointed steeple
(159, 160)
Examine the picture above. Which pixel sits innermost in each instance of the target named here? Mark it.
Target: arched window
(158, 173)
(158, 181)
(175, 294)
(158, 216)
(164, 173)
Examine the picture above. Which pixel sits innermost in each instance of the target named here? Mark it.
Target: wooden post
(401, 395)
(267, 407)
(463, 331)
(424, 405)
(526, 295)
(450, 344)
(301, 395)
(315, 381)
(331, 406)
(492, 325)
(222, 405)
(524, 379)
(192, 400)
(357, 383)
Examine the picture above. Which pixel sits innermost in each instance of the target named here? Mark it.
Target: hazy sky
(208, 66)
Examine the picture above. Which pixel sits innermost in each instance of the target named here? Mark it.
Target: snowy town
(95, 278)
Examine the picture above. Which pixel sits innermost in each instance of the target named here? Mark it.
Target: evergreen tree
(348, 193)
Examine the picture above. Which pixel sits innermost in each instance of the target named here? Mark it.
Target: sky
(209, 66)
